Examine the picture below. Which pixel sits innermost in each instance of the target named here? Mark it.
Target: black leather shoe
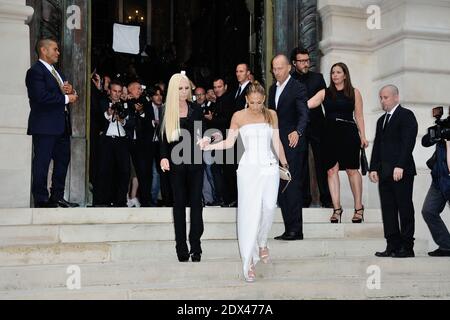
(62, 203)
(385, 253)
(47, 204)
(439, 253)
(290, 236)
(196, 257)
(403, 253)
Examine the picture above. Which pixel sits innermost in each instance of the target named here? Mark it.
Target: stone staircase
(130, 254)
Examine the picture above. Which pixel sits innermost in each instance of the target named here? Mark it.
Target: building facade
(404, 42)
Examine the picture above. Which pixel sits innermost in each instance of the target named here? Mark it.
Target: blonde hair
(256, 87)
(171, 122)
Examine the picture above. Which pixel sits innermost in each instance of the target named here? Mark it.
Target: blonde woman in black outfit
(182, 123)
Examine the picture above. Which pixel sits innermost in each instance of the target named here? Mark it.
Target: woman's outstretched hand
(204, 143)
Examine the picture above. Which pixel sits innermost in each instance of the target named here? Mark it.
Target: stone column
(410, 50)
(15, 145)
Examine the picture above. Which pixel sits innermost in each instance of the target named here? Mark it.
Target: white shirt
(50, 68)
(115, 128)
(391, 113)
(155, 111)
(280, 89)
(242, 87)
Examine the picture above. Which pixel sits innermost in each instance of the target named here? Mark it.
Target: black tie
(386, 121)
(239, 92)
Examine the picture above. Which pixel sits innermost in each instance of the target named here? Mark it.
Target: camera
(120, 109)
(441, 131)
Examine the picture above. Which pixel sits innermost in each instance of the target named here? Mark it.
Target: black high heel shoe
(183, 257)
(358, 217)
(196, 257)
(337, 216)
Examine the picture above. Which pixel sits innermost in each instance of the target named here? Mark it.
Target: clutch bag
(286, 176)
(364, 163)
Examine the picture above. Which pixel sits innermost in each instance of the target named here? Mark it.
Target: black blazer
(393, 147)
(240, 101)
(47, 102)
(194, 124)
(314, 82)
(293, 112)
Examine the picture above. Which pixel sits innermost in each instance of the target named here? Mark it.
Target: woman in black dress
(343, 137)
(181, 127)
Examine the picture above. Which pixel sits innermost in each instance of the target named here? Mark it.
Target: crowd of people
(152, 142)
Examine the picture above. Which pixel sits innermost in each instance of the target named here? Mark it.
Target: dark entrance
(204, 37)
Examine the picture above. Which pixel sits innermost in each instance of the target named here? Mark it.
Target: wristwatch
(299, 133)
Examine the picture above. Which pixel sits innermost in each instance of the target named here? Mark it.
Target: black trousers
(113, 172)
(164, 177)
(313, 137)
(396, 202)
(291, 200)
(47, 148)
(141, 154)
(187, 185)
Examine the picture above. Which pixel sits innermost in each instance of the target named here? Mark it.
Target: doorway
(206, 38)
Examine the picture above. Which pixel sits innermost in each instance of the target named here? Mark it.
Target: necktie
(388, 116)
(239, 92)
(55, 75)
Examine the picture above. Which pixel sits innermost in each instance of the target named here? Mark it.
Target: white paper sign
(126, 38)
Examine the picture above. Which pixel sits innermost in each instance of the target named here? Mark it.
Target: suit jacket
(393, 147)
(47, 102)
(293, 112)
(222, 113)
(314, 82)
(240, 100)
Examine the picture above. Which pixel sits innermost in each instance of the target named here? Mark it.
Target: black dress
(341, 140)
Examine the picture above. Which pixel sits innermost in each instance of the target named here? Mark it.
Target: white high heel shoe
(251, 275)
(264, 255)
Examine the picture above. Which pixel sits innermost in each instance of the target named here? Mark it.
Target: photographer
(439, 192)
(114, 170)
(141, 149)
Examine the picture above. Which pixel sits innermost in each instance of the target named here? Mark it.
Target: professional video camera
(120, 109)
(441, 130)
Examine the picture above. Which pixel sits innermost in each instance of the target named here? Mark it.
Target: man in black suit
(242, 76)
(289, 98)
(49, 124)
(313, 82)
(223, 170)
(392, 166)
(141, 148)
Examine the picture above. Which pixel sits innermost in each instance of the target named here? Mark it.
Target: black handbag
(364, 163)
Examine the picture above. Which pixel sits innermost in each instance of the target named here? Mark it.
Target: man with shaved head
(50, 97)
(289, 98)
(392, 167)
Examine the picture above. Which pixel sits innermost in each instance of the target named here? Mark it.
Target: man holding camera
(392, 166)
(439, 192)
(114, 170)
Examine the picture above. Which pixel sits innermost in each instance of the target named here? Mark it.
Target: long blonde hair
(256, 87)
(171, 122)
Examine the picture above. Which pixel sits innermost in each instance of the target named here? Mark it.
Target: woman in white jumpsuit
(258, 176)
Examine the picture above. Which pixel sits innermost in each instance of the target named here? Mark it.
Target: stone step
(263, 289)
(10, 217)
(43, 234)
(164, 251)
(149, 272)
